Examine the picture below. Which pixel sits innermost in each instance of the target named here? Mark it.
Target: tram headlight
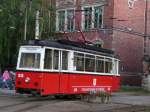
(27, 80)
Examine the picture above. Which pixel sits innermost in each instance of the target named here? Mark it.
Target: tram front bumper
(28, 91)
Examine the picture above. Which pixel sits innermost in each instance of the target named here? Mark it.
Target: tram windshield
(30, 60)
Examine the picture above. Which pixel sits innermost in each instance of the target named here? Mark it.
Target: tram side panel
(50, 83)
(116, 83)
(64, 83)
(77, 82)
(83, 83)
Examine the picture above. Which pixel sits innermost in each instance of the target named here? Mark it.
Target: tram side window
(108, 65)
(48, 59)
(64, 60)
(89, 63)
(100, 64)
(79, 61)
(115, 66)
(56, 60)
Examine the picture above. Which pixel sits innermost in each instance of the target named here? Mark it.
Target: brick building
(116, 24)
(131, 24)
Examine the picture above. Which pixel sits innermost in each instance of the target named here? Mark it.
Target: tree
(10, 33)
(12, 21)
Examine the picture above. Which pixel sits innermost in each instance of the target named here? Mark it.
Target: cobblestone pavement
(120, 102)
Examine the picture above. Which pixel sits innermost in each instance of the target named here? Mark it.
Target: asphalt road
(120, 102)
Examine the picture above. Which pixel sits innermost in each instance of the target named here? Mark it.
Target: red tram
(65, 67)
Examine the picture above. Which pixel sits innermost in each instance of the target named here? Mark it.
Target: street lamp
(12, 27)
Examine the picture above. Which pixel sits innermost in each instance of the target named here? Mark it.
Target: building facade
(131, 31)
(119, 25)
(79, 19)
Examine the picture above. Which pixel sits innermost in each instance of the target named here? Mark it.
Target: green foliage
(134, 90)
(12, 20)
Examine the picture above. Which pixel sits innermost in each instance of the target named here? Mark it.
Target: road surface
(120, 102)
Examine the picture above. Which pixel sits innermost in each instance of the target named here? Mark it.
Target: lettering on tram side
(92, 89)
(94, 82)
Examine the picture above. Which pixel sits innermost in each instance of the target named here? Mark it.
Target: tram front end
(28, 74)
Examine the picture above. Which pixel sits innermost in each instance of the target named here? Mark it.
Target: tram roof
(72, 45)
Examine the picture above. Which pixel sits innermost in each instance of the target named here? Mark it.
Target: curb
(7, 92)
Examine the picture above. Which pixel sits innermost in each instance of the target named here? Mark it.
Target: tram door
(51, 80)
(63, 76)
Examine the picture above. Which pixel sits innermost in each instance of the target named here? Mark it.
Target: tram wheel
(58, 96)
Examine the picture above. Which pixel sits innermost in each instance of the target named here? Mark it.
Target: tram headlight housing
(27, 80)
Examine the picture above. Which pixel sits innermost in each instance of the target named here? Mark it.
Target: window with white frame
(70, 20)
(108, 65)
(89, 63)
(30, 60)
(87, 18)
(48, 59)
(97, 17)
(100, 64)
(65, 20)
(115, 66)
(56, 59)
(61, 20)
(79, 61)
(92, 17)
(64, 60)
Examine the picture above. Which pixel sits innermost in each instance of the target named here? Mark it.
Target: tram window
(115, 66)
(48, 59)
(79, 61)
(108, 65)
(100, 64)
(89, 63)
(56, 59)
(64, 60)
(30, 60)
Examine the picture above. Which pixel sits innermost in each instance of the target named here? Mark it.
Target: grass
(134, 89)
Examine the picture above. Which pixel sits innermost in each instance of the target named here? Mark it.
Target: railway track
(29, 103)
(26, 104)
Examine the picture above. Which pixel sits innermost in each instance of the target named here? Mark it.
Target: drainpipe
(145, 28)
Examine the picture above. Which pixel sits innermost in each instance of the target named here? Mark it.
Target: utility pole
(37, 25)
(25, 23)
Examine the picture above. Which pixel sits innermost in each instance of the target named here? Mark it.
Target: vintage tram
(65, 67)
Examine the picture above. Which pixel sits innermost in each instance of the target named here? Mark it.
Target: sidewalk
(6, 91)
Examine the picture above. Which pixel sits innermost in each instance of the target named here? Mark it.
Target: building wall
(128, 38)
